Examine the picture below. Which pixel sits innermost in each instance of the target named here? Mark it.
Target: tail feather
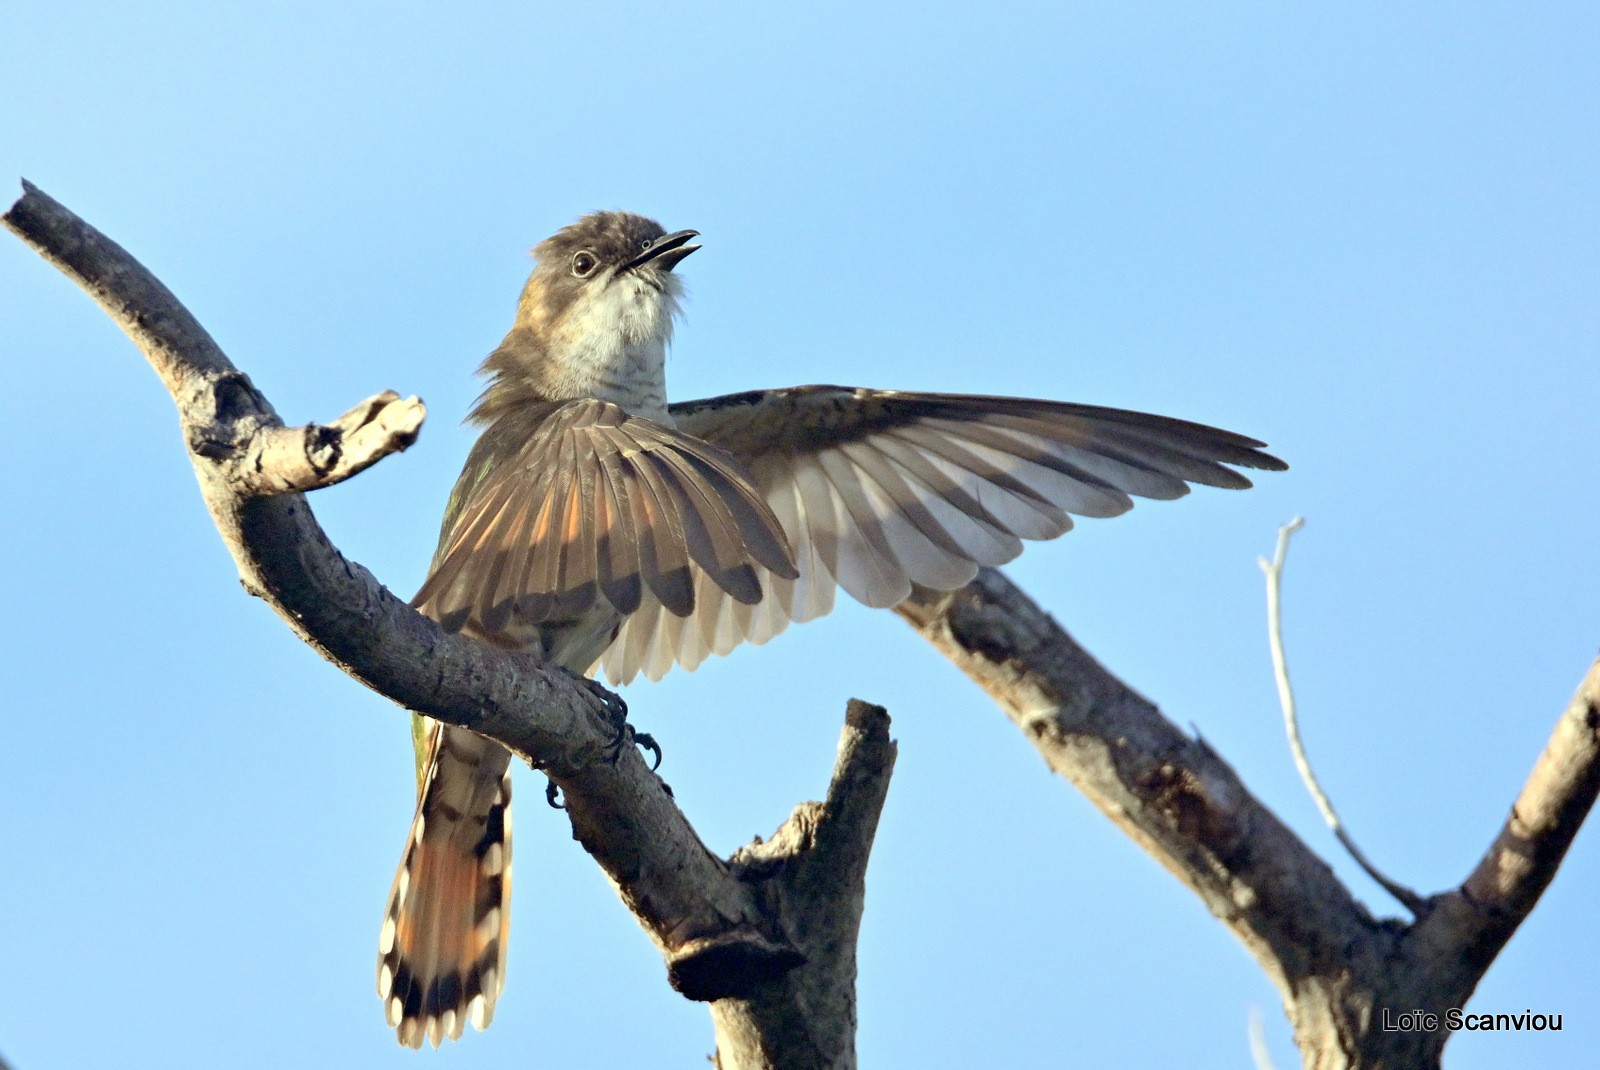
(442, 951)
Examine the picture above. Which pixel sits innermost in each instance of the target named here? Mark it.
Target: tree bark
(816, 867)
(1343, 974)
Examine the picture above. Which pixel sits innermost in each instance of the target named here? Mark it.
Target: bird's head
(596, 315)
(608, 273)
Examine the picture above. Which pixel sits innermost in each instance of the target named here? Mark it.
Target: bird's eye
(583, 263)
(644, 246)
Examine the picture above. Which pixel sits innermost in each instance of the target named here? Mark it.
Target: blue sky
(1366, 235)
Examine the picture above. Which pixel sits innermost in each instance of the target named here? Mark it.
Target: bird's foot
(552, 794)
(616, 709)
(617, 713)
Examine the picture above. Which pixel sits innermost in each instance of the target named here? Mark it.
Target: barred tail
(442, 953)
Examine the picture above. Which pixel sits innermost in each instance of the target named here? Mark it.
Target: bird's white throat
(612, 342)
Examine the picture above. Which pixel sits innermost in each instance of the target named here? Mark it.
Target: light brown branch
(1291, 724)
(1472, 923)
(1546, 816)
(284, 460)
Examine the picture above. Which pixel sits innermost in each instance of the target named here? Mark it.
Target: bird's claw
(617, 713)
(552, 795)
(626, 735)
(616, 708)
(648, 742)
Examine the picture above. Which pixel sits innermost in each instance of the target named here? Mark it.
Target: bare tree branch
(1260, 1056)
(1470, 924)
(816, 865)
(1291, 723)
(1173, 794)
(284, 460)
(726, 930)
(1544, 820)
(1338, 969)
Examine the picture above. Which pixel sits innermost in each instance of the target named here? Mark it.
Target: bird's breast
(614, 347)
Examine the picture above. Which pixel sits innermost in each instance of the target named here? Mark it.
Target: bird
(604, 527)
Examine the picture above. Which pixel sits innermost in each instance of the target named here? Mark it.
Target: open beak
(665, 251)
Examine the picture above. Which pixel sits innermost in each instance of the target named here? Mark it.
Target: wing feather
(669, 579)
(616, 545)
(563, 507)
(924, 548)
(764, 539)
(540, 597)
(481, 543)
(497, 589)
(758, 507)
(716, 544)
(579, 580)
(812, 593)
(876, 490)
(975, 530)
(1010, 497)
(663, 650)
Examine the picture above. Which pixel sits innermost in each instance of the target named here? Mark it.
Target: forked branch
(1335, 965)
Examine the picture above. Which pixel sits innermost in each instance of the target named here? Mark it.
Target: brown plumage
(600, 527)
(591, 485)
(449, 904)
(877, 490)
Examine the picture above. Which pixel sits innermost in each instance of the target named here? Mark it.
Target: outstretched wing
(879, 489)
(572, 507)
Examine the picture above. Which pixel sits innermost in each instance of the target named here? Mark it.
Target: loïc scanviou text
(1420, 1021)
